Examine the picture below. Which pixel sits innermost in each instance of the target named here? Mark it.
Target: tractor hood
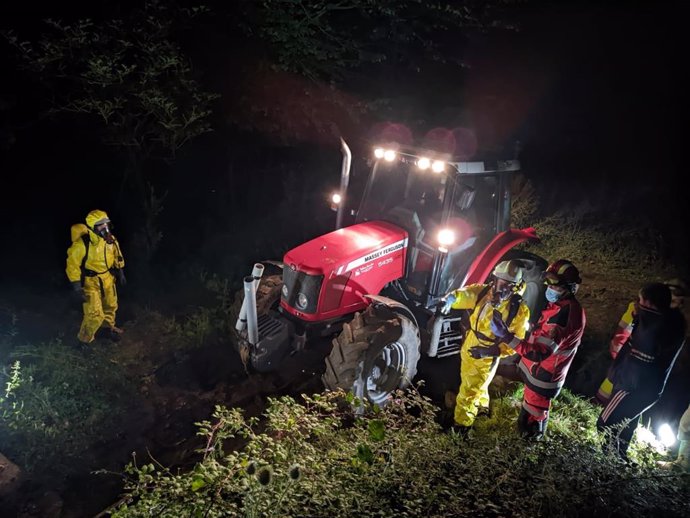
(347, 249)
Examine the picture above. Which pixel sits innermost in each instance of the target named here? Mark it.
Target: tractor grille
(299, 282)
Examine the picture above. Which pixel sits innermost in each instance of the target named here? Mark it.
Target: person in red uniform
(548, 352)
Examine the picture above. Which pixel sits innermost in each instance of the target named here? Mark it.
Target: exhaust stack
(241, 323)
(251, 318)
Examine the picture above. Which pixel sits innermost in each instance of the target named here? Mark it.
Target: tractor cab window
(404, 195)
(474, 221)
(415, 200)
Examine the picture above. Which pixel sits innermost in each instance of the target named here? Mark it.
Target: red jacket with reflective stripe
(549, 351)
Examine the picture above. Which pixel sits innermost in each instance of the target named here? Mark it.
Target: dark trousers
(621, 416)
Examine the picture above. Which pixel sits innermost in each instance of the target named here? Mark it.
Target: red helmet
(562, 273)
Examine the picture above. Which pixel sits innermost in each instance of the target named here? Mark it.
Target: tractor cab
(450, 210)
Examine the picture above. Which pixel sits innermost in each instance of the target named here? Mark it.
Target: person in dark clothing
(639, 375)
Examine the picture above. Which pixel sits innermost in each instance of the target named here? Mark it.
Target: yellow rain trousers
(100, 306)
(477, 374)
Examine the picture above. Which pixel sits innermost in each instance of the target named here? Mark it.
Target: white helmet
(510, 271)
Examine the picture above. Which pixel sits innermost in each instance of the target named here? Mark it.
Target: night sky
(588, 94)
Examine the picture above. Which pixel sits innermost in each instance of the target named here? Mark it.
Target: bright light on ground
(646, 436)
(666, 435)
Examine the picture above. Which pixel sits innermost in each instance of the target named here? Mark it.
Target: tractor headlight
(389, 155)
(446, 237)
(423, 163)
(302, 301)
(438, 166)
(284, 291)
(378, 152)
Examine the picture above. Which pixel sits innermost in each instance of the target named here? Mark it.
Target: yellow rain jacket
(477, 374)
(97, 280)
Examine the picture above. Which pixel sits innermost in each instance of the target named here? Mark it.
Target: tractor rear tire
(374, 355)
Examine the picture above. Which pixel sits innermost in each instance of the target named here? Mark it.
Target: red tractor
(426, 224)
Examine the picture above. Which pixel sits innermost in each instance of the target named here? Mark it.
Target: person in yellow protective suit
(94, 261)
(501, 299)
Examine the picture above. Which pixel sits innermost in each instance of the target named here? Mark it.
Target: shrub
(323, 458)
(56, 403)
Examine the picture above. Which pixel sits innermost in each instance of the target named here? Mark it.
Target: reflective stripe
(625, 326)
(532, 410)
(538, 383)
(550, 344)
(565, 353)
(642, 356)
(514, 342)
(612, 405)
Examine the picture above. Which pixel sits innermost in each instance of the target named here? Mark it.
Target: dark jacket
(654, 345)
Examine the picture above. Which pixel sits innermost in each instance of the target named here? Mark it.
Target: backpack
(80, 231)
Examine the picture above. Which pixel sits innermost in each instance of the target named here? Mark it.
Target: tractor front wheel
(375, 354)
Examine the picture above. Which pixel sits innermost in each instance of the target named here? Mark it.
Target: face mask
(552, 295)
(104, 232)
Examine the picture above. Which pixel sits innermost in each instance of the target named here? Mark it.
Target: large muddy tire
(374, 355)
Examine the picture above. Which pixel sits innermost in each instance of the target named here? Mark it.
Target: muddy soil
(178, 389)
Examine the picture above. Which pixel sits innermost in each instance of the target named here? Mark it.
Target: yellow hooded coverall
(476, 374)
(98, 282)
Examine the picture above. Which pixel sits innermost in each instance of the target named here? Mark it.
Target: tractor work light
(423, 163)
(446, 237)
(387, 154)
(438, 166)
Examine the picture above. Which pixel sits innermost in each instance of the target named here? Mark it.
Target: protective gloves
(478, 351)
(447, 303)
(499, 327)
(120, 276)
(78, 291)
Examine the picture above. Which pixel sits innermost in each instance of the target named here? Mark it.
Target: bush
(57, 402)
(322, 458)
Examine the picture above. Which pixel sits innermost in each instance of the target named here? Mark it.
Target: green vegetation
(321, 458)
(56, 403)
(612, 244)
